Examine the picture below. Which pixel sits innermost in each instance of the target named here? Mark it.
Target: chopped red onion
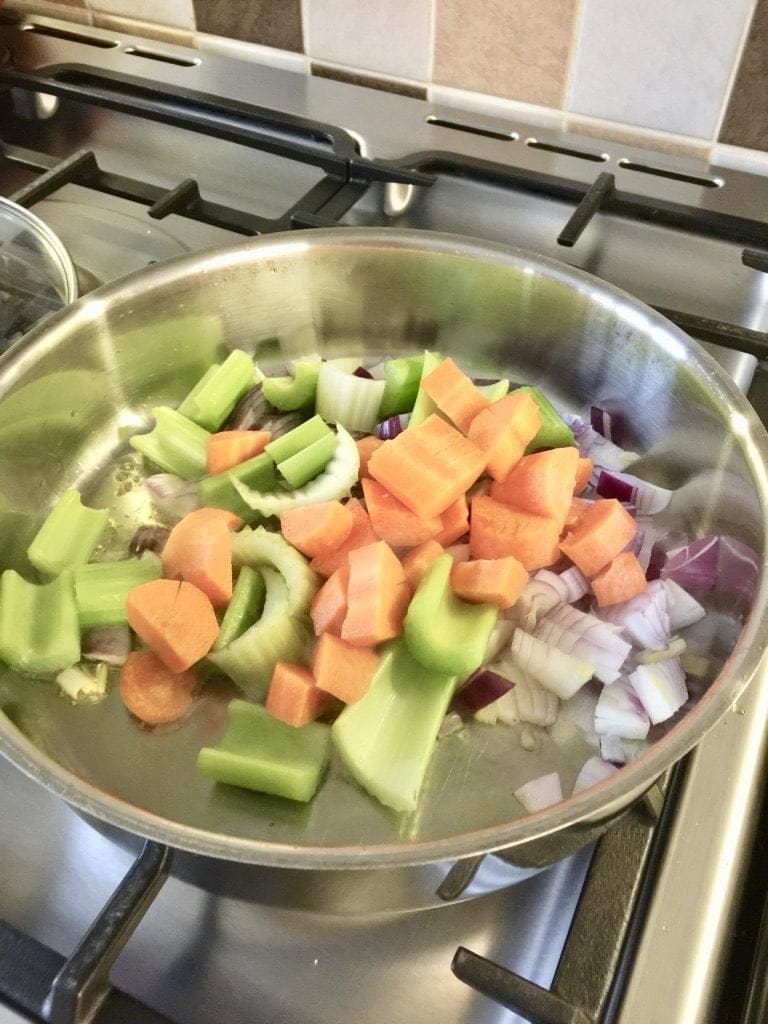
(593, 445)
(361, 371)
(173, 496)
(737, 569)
(718, 562)
(585, 636)
(620, 712)
(600, 421)
(693, 565)
(593, 770)
(661, 688)
(540, 793)
(645, 497)
(148, 538)
(683, 609)
(645, 617)
(558, 671)
(110, 644)
(482, 688)
(391, 427)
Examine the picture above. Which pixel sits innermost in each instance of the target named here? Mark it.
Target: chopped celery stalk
(386, 738)
(82, 685)
(336, 482)
(298, 439)
(175, 444)
(305, 465)
(424, 406)
(276, 636)
(218, 491)
(443, 632)
(260, 752)
(261, 547)
(344, 398)
(244, 608)
(493, 392)
(102, 587)
(401, 385)
(553, 433)
(68, 536)
(39, 631)
(214, 397)
(296, 392)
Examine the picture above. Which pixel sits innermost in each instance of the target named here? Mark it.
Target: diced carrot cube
(341, 669)
(329, 605)
(496, 530)
(378, 595)
(621, 580)
(498, 581)
(601, 533)
(293, 695)
(454, 394)
(417, 561)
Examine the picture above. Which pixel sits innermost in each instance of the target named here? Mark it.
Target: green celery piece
(554, 433)
(260, 752)
(102, 587)
(262, 547)
(387, 737)
(296, 392)
(219, 491)
(277, 636)
(345, 398)
(305, 465)
(244, 608)
(68, 535)
(214, 397)
(493, 392)
(402, 377)
(175, 444)
(39, 631)
(335, 482)
(298, 439)
(424, 406)
(443, 632)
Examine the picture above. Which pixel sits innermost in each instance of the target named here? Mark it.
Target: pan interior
(74, 391)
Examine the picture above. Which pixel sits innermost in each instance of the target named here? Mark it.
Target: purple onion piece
(737, 569)
(646, 497)
(694, 565)
(250, 412)
(172, 495)
(148, 538)
(601, 421)
(362, 372)
(391, 427)
(110, 644)
(481, 689)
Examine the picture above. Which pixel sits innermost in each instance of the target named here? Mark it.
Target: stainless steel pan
(72, 391)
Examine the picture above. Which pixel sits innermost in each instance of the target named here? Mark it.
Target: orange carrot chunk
(584, 469)
(621, 580)
(360, 535)
(576, 510)
(427, 467)
(455, 522)
(174, 619)
(496, 530)
(293, 695)
(541, 483)
(393, 521)
(498, 581)
(317, 530)
(152, 692)
(454, 393)
(602, 532)
(228, 448)
(378, 595)
(341, 669)
(329, 605)
(366, 446)
(199, 551)
(417, 561)
(504, 430)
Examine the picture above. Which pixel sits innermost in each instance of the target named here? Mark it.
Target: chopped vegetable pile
(376, 557)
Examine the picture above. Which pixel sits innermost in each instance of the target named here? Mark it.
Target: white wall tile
(393, 37)
(179, 13)
(663, 64)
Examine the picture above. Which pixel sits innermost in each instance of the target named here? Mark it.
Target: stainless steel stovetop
(667, 229)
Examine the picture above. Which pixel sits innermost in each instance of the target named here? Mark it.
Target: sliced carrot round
(153, 693)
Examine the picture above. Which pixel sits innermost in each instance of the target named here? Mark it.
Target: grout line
(573, 54)
(735, 68)
(304, 8)
(432, 41)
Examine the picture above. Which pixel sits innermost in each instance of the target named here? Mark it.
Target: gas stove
(134, 151)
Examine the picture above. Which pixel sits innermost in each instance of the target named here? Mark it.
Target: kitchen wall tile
(746, 117)
(337, 74)
(144, 29)
(657, 64)
(516, 50)
(256, 21)
(512, 112)
(392, 37)
(179, 13)
(632, 135)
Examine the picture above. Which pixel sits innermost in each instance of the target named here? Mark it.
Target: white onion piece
(587, 637)
(645, 617)
(174, 497)
(661, 688)
(539, 793)
(676, 647)
(559, 672)
(500, 638)
(528, 701)
(683, 609)
(576, 583)
(452, 723)
(80, 685)
(620, 712)
(108, 644)
(620, 751)
(593, 770)
(592, 445)
(538, 597)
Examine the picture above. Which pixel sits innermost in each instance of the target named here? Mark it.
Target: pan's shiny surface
(73, 390)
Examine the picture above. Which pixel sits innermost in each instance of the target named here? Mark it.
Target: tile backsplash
(687, 76)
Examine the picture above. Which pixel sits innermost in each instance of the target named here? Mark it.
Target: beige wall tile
(518, 50)
(746, 119)
(269, 23)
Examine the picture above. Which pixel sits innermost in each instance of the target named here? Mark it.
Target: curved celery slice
(260, 752)
(277, 636)
(401, 385)
(39, 631)
(344, 398)
(245, 606)
(261, 547)
(217, 393)
(387, 737)
(335, 482)
(101, 588)
(68, 536)
(296, 392)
